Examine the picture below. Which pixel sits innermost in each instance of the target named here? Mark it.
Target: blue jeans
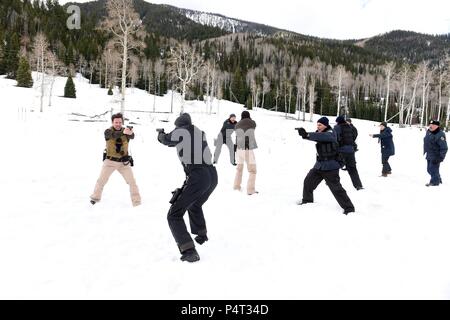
(433, 171)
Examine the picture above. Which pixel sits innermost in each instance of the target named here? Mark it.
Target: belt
(115, 159)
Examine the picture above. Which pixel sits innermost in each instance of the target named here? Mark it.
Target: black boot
(347, 211)
(190, 255)
(201, 239)
(93, 202)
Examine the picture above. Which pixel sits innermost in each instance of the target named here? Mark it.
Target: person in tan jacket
(117, 158)
(246, 144)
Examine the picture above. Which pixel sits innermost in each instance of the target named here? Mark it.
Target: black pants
(350, 165)
(386, 166)
(315, 177)
(200, 184)
(231, 151)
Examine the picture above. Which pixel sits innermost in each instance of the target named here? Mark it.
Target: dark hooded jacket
(226, 132)
(435, 145)
(191, 144)
(387, 142)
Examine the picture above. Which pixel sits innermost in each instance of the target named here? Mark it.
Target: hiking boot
(190, 255)
(302, 202)
(250, 194)
(93, 202)
(201, 239)
(359, 188)
(431, 185)
(347, 211)
(384, 175)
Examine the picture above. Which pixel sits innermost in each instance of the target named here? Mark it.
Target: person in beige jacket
(246, 144)
(117, 158)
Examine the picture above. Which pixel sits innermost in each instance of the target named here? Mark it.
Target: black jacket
(191, 144)
(226, 131)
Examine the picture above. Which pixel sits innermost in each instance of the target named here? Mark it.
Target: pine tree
(11, 57)
(24, 78)
(69, 90)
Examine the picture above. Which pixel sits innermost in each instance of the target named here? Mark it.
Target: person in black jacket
(435, 147)
(346, 136)
(224, 137)
(327, 166)
(201, 180)
(387, 147)
(355, 133)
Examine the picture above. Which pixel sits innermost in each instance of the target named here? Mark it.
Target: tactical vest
(327, 151)
(117, 148)
(346, 138)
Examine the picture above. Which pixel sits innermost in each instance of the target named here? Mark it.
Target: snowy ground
(53, 244)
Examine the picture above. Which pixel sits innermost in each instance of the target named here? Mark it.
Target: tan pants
(127, 173)
(248, 157)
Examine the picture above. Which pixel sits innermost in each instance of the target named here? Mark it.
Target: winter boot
(347, 211)
(201, 239)
(190, 255)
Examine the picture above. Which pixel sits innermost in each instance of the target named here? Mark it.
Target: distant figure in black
(327, 166)
(355, 133)
(435, 147)
(224, 137)
(201, 180)
(387, 147)
(346, 136)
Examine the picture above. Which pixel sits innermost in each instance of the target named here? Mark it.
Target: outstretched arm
(166, 139)
(322, 136)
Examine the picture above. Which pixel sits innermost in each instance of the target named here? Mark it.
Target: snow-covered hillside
(54, 244)
(215, 20)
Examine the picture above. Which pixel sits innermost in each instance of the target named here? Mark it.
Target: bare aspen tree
(124, 23)
(425, 85)
(338, 78)
(185, 65)
(92, 65)
(265, 89)
(210, 77)
(133, 71)
(312, 96)
(40, 48)
(388, 69)
(412, 103)
(447, 119)
(443, 74)
(403, 88)
(82, 64)
(159, 70)
(55, 67)
(302, 85)
(276, 98)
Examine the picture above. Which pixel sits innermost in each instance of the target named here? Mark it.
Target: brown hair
(116, 116)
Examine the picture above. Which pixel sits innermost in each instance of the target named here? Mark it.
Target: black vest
(327, 151)
(347, 137)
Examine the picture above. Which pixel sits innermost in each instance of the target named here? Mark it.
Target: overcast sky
(338, 19)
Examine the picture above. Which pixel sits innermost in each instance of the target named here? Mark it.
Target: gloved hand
(302, 132)
(161, 136)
